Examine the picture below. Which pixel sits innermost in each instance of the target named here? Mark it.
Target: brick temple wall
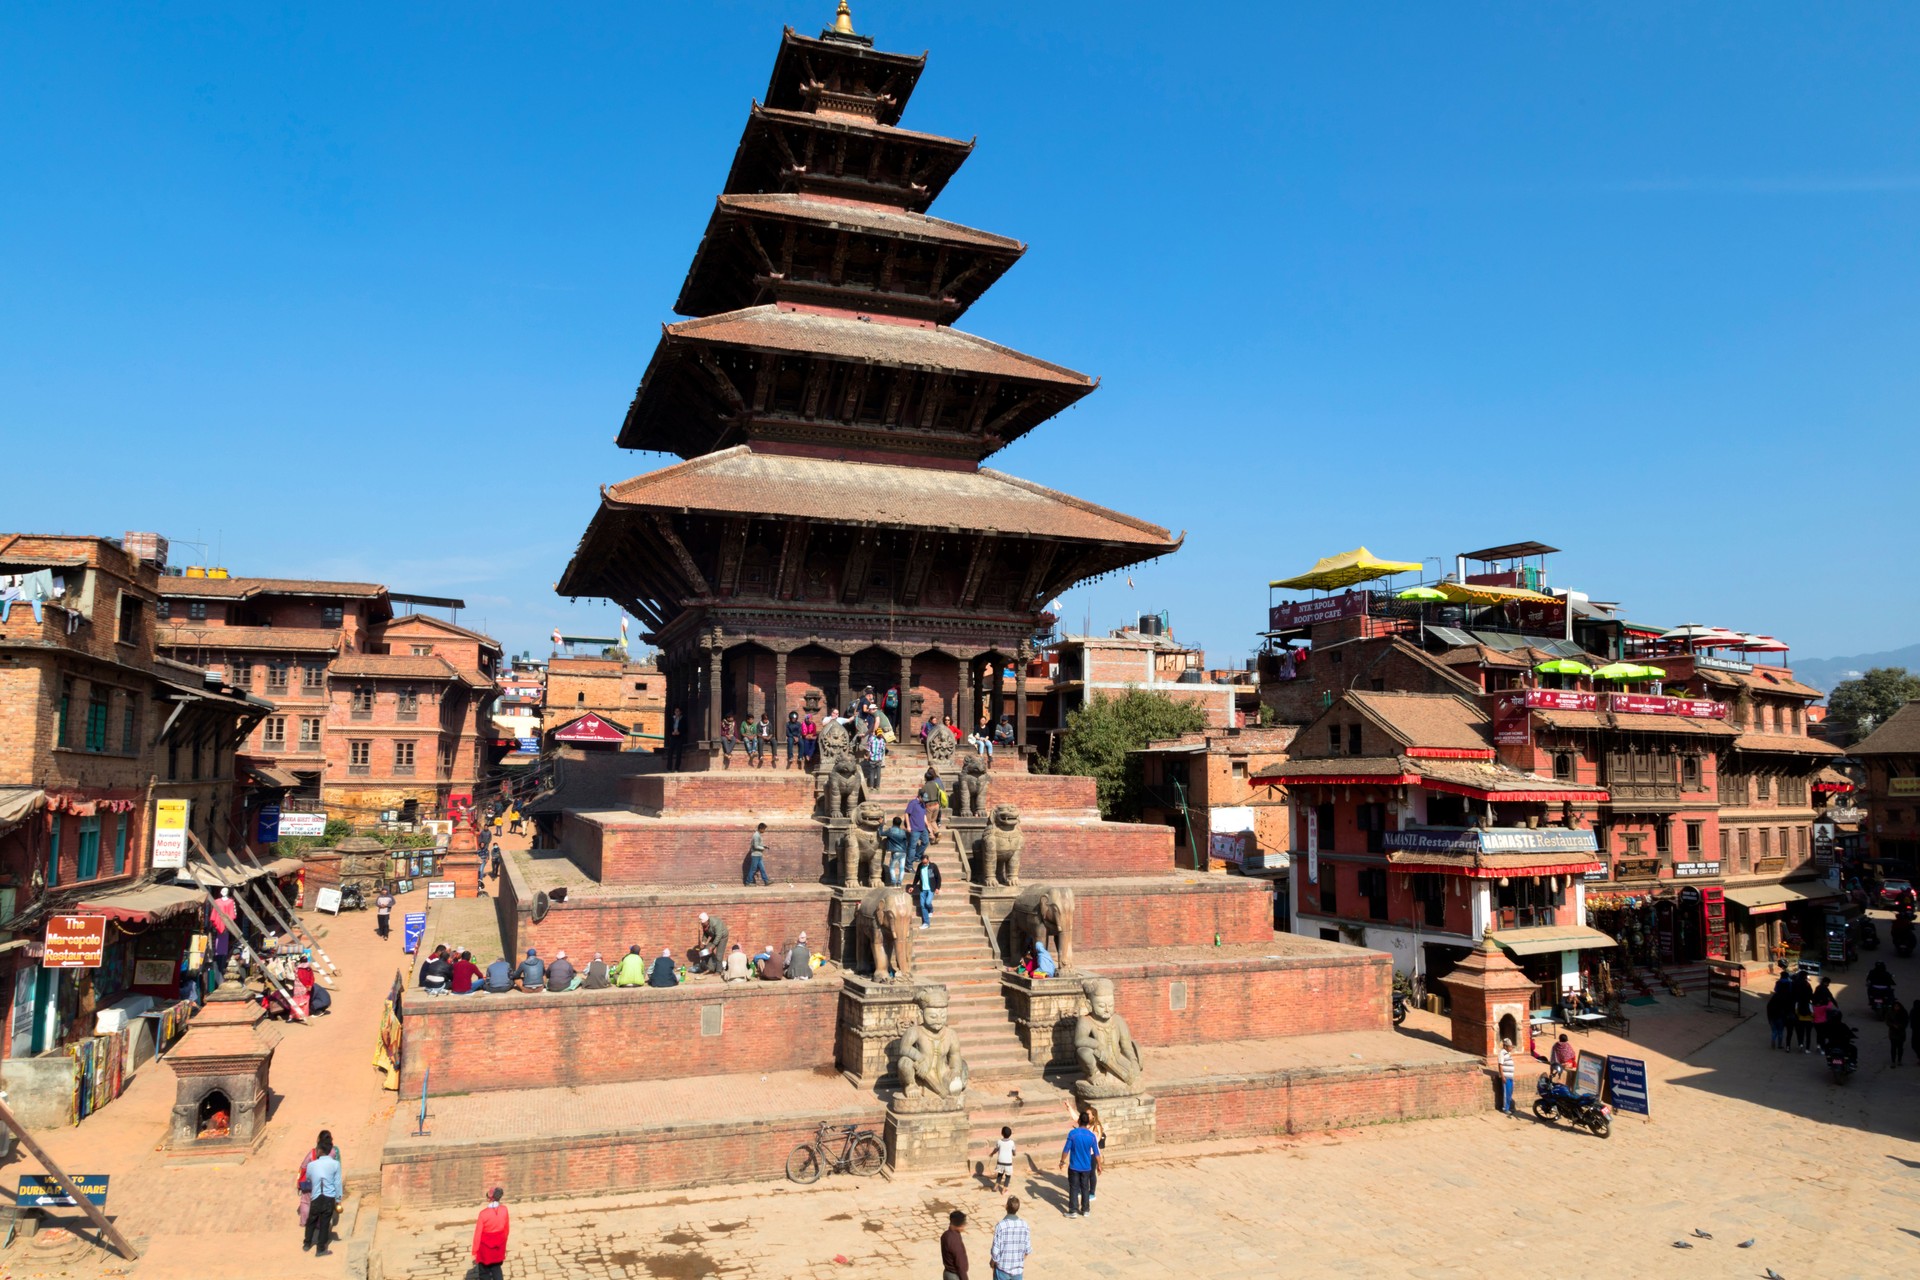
(1171, 1004)
(1313, 1100)
(1174, 913)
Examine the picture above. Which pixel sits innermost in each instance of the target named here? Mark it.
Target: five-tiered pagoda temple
(832, 526)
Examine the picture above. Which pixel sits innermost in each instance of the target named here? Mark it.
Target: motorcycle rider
(1836, 1037)
(1879, 987)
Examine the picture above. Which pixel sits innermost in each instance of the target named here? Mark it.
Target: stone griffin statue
(1109, 1058)
(1000, 847)
(969, 794)
(842, 788)
(1043, 912)
(858, 852)
(940, 744)
(883, 933)
(929, 1066)
(835, 743)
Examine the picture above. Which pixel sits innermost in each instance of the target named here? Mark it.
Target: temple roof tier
(796, 248)
(781, 373)
(793, 151)
(820, 532)
(842, 74)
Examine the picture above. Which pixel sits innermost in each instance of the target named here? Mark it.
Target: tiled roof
(894, 222)
(1628, 720)
(406, 666)
(296, 639)
(1437, 720)
(1497, 778)
(1760, 680)
(1483, 655)
(443, 625)
(771, 484)
(1899, 735)
(782, 328)
(1791, 742)
(242, 588)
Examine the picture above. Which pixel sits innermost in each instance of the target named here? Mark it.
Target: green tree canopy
(1856, 708)
(1100, 734)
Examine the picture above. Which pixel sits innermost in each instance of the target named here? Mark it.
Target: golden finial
(843, 20)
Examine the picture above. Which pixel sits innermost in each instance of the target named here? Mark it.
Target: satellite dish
(540, 906)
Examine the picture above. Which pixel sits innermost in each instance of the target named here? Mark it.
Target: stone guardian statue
(1109, 1059)
(929, 1066)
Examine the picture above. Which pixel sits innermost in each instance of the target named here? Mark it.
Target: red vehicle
(1895, 892)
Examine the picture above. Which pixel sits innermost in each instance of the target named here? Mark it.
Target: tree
(1101, 733)
(1856, 708)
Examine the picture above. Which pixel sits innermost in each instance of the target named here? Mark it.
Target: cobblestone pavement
(1744, 1143)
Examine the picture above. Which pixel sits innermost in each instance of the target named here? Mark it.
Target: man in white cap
(712, 951)
(561, 975)
(662, 974)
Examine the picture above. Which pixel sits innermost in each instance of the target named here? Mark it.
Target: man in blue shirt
(1081, 1159)
(323, 1180)
(917, 828)
(533, 972)
(896, 842)
(499, 976)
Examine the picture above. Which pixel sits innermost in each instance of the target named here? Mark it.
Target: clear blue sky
(363, 291)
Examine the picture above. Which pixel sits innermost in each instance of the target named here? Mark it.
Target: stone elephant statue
(1044, 912)
(842, 788)
(883, 933)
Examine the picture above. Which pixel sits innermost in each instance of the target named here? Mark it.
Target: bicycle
(861, 1153)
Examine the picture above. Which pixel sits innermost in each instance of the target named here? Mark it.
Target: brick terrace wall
(476, 1044)
(623, 849)
(646, 1160)
(1072, 849)
(1173, 914)
(762, 793)
(612, 923)
(1313, 1100)
(1251, 999)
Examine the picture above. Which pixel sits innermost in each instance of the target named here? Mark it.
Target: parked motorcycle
(352, 899)
(1399, 1007)
(1557, 1102)
(1903, 935)
(1842, 1061)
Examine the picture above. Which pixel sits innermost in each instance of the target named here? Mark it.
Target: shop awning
(17, 804)
(1545, 938)
(147, 903)
(1765, 899)
(283, 867)
(1344, 570)
(276, 779)
(1475, 593)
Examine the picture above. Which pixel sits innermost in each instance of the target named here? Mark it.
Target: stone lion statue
(842, 788)
(859, 850)
(929, 1061)
(1000, 847)
(835, 742)
(1043, 912)
(969, 794)
(940, 744)
(883, 933)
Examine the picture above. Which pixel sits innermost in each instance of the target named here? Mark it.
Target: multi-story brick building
(632, 695)
(1082, 668)
(1891, 797)
(1200, 786)
(371, 712)
(98, 731)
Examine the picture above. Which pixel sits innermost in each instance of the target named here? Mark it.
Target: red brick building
(98, 730)
(371, 712)
(1891, 797)
(632, 695)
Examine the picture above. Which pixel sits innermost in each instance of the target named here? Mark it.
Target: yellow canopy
(1358, 565)
(1462, 593)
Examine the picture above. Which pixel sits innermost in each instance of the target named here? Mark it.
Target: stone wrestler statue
(1109, 1058)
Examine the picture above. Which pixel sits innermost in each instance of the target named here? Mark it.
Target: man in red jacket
(490, 1236)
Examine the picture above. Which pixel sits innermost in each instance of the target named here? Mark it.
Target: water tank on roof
(1150, 624)
(1191, 676)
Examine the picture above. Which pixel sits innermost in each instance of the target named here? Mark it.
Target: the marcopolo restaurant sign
(1500, 840)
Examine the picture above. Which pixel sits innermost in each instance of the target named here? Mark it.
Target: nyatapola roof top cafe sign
(1491, 840)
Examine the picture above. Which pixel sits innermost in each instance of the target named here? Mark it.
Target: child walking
(1003, 1160)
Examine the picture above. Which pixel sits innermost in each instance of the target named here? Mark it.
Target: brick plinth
(1131, 1120)
(871, 1017)
(1043, 1010)
(1314, 1099)
(1203, 1000)
(619, 848)
(474, 1044)
(1147, 911)
(590, 921)
(762, 794)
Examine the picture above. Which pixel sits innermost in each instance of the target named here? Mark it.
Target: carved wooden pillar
(716, 663)
(999, 690)
(780, 693)
(963, 697)
(903, 717)
(845, 694)
(1021, 659)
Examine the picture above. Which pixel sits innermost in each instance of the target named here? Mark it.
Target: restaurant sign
(1696, 868)
(1560, 700)
(1304, 613)
(1655, 704)
(1478, 840)
(75, 942)
(1537, 616)
(1903, 786)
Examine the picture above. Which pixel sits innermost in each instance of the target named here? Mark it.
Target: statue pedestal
(1129, 1118)
(968, 831)
(222, 1064)
(1043, 1009)
(928, 1133)
(872, 1016)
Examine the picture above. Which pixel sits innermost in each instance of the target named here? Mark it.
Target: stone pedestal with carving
(927, 1133)
(1043, 1010)
(1128, 1118)
(872, 1016)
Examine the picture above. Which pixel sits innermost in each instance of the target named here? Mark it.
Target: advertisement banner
(1512, 725)
(303, 824)
(75, 942)
(1229, 846)
(1313, 845)
(1561, 700)
(1659, 705)
(170, 833)
(1537, 617)
(1588, 1071)
(1304, 613)
(267, 827)
(1457, 840)
(413, 928)
(1903, 786)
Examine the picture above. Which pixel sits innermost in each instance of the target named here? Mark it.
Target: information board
(1627, 1085)
(43, 1191)
(413, 928)
(440, 889)
(303, 824)
(327, 900)
(1588, 1072)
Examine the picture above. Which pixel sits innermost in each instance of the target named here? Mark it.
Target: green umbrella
(1564, 667)
(1420, 593)
(1619, 671)
(1650, 673)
